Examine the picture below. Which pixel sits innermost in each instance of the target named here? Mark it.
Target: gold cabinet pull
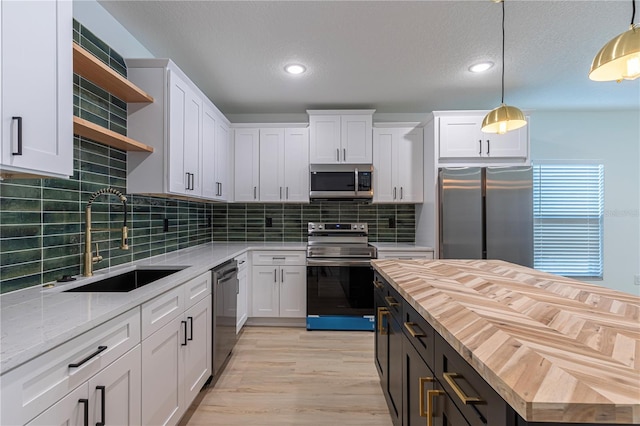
(450, 378)
(422, 381)
(391, 301)
(411, 328)
(430, 395)
(381, 313)
(378, 284)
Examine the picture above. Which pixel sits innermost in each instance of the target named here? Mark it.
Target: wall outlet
(636, 281)
(165, 225)
(268, 222)
(392, 223)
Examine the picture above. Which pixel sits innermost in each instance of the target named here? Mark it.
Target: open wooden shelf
(108, 137)
(88, 66)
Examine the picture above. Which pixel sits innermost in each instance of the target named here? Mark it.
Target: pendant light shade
(619, 59)
(504, 118)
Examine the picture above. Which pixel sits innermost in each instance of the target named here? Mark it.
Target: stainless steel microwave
(353, 182)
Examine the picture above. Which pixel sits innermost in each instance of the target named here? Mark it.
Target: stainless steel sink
(125, 282)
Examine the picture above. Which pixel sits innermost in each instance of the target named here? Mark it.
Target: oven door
(339, 294)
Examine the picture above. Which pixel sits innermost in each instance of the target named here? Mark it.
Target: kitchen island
(555, 349)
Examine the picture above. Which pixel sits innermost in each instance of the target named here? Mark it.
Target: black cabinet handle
(190, 319)
(85, 401)
(103, 401)
(78, 364)
(480, 150)
(184, 342)
(19, 152)
(488, 146)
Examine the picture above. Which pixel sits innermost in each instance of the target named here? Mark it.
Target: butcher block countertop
(556, 349)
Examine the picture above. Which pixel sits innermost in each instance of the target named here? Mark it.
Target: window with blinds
(568, 208)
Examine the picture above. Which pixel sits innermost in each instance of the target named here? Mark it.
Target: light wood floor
(291, 376)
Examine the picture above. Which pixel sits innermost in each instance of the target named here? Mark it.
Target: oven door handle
(338, 262)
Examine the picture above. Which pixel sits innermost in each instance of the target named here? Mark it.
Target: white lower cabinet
(111, 397)
(177, 356)
(114, 393)
(107, 356)
(279, 288)
(242, 310)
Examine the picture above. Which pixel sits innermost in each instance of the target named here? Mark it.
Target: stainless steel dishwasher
(226, 286)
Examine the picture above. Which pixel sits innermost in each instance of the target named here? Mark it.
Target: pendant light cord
(633, 13)
(503, 50)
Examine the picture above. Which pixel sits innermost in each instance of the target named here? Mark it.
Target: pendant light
(620, 58)
(504, 118)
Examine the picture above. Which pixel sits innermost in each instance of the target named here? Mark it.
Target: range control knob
(319, 226)
(361, 226)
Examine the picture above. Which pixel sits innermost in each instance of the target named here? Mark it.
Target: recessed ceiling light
(295, 69)
(481, 66)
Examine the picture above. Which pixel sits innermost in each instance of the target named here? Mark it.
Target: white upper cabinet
(189, 135)
(37, 88)
(247, 164)
(215, 155)
(398, 164)
(296, 165)
(460, 138)
(272, 164)
(340, 136)
(185, 127)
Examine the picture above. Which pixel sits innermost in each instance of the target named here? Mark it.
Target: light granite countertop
(556, 349)
(35, 320)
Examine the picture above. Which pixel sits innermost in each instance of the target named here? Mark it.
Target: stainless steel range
(339, 276)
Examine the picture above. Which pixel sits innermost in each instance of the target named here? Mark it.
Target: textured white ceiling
(393, 56)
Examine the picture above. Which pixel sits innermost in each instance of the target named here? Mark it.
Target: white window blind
(568, 204)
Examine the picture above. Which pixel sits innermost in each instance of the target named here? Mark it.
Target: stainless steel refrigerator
(486, 213)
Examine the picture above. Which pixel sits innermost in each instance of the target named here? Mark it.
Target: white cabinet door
(271, 164)
(514, 144)
(324, 139)
(383, 165)
(242, 299)
(356, 133)
(185, 115)
(460, 136)
(293, 291)
(222, 161)
(398, 164)
(247, 160)
(197, 352)
(37, 88)
(265, 291)
(210, 188)
(163, 374)
(69, 411)
(117, 391)
(296, 165)
(408, 164)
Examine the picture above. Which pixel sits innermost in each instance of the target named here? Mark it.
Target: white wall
(612, 137)
(97, 20)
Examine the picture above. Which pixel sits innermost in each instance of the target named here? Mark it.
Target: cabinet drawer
(419, 333)
(459, 379)
(38, 384)
(197, 289)
(161, 310)
(279, 258)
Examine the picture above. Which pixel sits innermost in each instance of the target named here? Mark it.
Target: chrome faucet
(89, 258)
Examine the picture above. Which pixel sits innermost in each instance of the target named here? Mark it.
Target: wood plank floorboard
(291, 376)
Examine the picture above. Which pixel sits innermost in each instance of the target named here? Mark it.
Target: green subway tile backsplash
(42, 220)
